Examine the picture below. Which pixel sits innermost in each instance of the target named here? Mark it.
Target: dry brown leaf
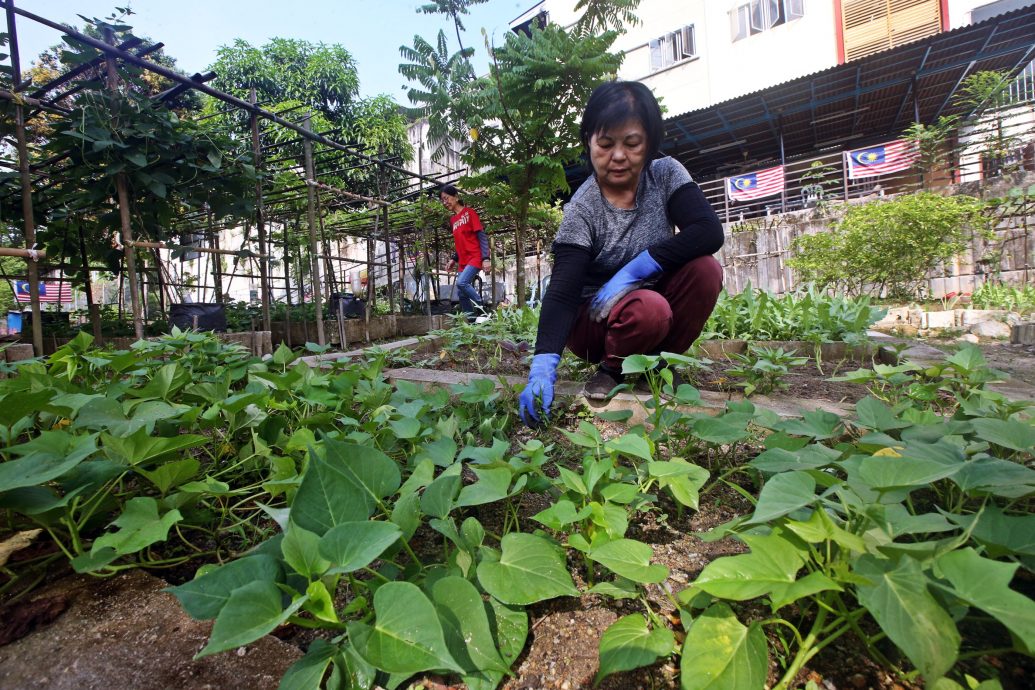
(16, 543)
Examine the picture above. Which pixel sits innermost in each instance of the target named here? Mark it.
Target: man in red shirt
(472, 248)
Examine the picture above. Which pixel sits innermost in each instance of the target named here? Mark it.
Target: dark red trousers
(665, 318)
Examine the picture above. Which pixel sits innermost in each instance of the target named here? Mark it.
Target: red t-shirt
(465, 226)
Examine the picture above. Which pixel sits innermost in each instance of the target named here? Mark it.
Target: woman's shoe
(603, 382)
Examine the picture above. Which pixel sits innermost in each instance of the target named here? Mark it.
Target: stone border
(358, 330)
(717, 348)
(421, 345)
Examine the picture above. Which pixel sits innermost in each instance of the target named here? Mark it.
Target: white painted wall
(724, 68)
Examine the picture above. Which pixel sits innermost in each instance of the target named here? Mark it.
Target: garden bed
(441, 501)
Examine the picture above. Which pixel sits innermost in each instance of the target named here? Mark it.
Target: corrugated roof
(850, 105)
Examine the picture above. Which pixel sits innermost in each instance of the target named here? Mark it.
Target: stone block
(991, 329)
(17, 352)
(414, 325)
(939, 319)
(717, 349)
(1023, 333)
(969, 317)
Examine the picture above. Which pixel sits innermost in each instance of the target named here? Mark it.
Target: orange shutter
(871, 26)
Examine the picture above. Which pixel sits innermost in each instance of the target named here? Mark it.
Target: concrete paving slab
(124, 632)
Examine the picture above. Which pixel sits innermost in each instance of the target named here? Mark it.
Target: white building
(695, 53)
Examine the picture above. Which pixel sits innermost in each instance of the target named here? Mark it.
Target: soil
(807, 382)
(124, 632)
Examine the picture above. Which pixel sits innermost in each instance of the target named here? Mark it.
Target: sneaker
(603, 382)
(643, 388)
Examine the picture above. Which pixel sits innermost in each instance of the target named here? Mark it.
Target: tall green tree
(599, 16)
(442, 78)
(323, 77)
(452, 9)
(296, 75)
(525, 114)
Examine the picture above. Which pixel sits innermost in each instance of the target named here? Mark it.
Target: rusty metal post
(260, 220)
(28, 221)
(314, 241)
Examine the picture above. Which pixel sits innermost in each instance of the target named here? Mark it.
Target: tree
(887, 248)
(931, 142)
(452, 9)
(986, 97)
(525, 115)
(290, 74)
(442, 77)
(599, 16)
(323, 77)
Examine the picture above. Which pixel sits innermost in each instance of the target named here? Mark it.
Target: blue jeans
(465, 289)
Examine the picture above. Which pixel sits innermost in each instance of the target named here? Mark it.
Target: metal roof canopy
(850, 105)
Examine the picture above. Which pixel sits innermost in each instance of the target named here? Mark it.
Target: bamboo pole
(148, 244)
(287, 284)
(91, 308)
(28, 221)
(341, 192)
(122, 192)
(217, 263)
(33, 254)
(314, 246)
(178, 78)
(260, 220)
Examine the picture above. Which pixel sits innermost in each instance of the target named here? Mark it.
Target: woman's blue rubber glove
(629, 277)
(539, 391)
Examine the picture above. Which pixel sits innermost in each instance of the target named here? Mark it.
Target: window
(672, 48)
(759, 15)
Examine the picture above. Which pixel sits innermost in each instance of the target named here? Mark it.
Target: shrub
(888, 247)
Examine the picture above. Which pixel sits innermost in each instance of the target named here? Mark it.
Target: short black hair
(615, 102)
(450, 190)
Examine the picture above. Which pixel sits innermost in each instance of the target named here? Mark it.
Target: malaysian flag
(880, 160)
(49, 292)
(755, 185)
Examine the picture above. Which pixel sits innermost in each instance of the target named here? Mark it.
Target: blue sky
(193, 30)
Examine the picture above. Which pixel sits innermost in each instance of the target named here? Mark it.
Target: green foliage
(873, 526)
(289, 74)
(310, 495)
(959, 380)
(171, 166)
(933, 141)
(321, 76)
(526, 110)
(986, 98)
(600, 16)
(992, 295)
(886, 248)
(763, 368)
(441, 77)
(521, 119)
(809, 314)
